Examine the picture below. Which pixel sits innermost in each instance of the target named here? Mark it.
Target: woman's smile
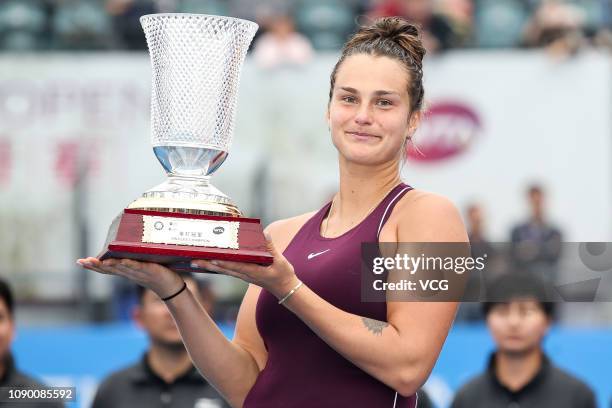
(363, 136)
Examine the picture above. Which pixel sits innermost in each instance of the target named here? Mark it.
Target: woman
(321, 346)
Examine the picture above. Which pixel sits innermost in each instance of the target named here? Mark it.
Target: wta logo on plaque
(196, 62)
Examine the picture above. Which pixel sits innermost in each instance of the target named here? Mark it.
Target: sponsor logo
(313, 254)
(448, 129)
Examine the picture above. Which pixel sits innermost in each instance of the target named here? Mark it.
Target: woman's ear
(327, 120)
(413, 123)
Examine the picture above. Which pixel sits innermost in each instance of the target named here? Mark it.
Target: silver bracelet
(291, 292)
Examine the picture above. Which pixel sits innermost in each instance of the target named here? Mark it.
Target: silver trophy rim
(241, 20)
(191, 144)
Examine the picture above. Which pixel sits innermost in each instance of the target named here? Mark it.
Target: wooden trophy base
(133, 233)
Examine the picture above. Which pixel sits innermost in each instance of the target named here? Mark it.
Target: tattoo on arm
(375, 326)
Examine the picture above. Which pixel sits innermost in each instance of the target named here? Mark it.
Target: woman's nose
(363, 115)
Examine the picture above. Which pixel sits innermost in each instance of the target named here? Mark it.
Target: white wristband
(288, 295)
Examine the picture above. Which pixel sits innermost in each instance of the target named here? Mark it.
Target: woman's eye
(348, 99)
(384, 102)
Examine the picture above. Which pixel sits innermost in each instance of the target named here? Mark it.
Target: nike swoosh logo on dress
(313, 254)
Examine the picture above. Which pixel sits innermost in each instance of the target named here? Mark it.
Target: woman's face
(7, 329)
(369, 110)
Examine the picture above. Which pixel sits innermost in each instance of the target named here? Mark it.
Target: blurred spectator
(602, 38)
(10, 376)
(460, 14)
(82, 25)
(535, 243)
(383, 8)
(124, 298)
(423, 400)
(259, 10)
(22, 25)
(480, 246)
(281, 45)
(558, 26)
(476, 231)
(500, 23)
(327, 23)
(438, 34)
(519, 373)
(126, 15)
(165, 375)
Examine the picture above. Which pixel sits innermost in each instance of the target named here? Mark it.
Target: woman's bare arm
(399, 352)
(231, 367)
(227, 365)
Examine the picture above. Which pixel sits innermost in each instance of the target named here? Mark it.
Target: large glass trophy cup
(196, 62)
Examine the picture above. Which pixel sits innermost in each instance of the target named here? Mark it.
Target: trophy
(196, 62)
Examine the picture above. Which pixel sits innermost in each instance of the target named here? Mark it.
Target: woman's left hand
(278, 278)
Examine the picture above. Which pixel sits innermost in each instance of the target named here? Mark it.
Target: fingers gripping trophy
(196, 62)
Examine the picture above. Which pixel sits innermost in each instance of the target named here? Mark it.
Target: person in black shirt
(423, 400)
(10, 376)
(165, 375)
(469, 309)
(519, 374)
(536, 243)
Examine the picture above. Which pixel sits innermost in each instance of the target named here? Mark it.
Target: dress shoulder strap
(392, 199)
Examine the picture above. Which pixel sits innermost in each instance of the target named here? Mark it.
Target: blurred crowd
(519, 369)
(534, 247)
(292, 29)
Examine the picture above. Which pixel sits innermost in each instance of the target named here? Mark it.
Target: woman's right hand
(161, 280)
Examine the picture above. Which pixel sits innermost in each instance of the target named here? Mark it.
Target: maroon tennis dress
(302, 371)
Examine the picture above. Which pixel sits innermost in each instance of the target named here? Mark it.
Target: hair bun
(394, 27)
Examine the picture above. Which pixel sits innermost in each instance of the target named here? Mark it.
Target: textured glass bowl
(196, 60)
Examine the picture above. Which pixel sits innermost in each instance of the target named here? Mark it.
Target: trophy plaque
(196, 62)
